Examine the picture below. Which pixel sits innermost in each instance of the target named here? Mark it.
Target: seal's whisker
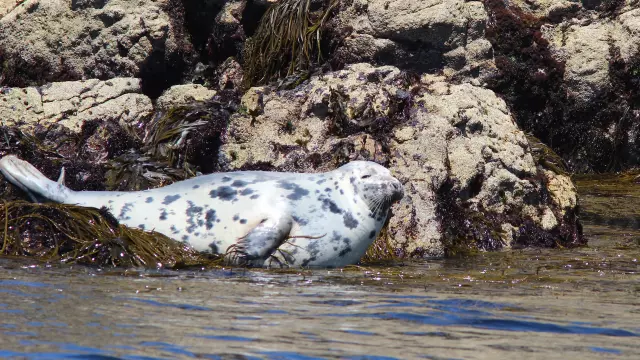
(306, 237)
(290, 243)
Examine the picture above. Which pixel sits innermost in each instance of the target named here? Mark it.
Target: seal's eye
(365, 176)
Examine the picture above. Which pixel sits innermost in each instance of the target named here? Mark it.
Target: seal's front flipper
(260, 242)
(28, 178)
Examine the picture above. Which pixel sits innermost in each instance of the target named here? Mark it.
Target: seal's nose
(398, 190)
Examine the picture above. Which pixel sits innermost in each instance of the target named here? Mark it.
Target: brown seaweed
(88, 236)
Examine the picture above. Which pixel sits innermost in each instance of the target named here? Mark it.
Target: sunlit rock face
(467, 169)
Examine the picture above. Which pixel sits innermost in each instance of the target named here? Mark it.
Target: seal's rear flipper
(28, 178)
(260, 242)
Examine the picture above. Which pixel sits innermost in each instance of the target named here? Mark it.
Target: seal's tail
(28, 178)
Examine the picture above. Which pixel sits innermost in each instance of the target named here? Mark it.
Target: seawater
(538, 304)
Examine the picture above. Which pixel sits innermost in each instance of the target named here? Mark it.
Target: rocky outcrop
(415, 86)
(179, 95)
(453, 146)
(424, 36)
(587, 45)
(73, 103)
(571, 74)
(61, 40)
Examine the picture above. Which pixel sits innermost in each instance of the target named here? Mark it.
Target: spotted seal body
(255, 218)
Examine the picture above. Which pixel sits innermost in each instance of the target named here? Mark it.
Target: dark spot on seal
(163, 214)
(350, 221)
(239, 183)
(213, 247)
(110, 201)
(352, 180)
(372, 234)
(224, 193)
(300, 220)
(193, 210)
(335, 248)
(170, 198)
(246, 192)
(196, 186)
(328, 204)
(194, 214)
(209, 218)
(226, 179)
(174, 229)
(336, 237)
(296, 191)
(236, 217)
(123, 212)
(141, 226)
(327, 189)
(185, 238)
(149, 200)
(253, 197)
(321, 181)
(314, 249)
(344, 251)
(243, 221)
(341, 192)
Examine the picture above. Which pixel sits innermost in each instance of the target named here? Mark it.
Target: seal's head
(375, 185)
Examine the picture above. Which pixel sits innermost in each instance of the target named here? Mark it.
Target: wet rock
(447, 143)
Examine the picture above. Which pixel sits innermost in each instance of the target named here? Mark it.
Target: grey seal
(254, 218)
